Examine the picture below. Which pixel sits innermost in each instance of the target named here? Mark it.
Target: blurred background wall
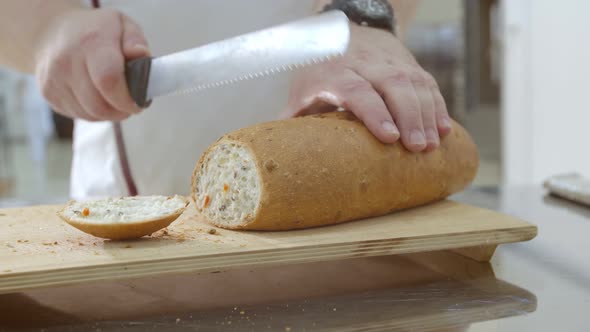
(545, 89)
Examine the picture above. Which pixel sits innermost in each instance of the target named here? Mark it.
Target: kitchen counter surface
(541, 285)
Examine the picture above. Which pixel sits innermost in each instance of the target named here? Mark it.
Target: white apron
(165, 141)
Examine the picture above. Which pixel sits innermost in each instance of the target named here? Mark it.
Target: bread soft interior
(124, 209)
(228, 185)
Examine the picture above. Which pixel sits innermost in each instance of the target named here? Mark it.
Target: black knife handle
(137, 73)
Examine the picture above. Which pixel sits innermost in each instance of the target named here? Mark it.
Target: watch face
(374, 8)
(373, 13)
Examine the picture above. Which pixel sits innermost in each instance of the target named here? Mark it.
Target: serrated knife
(264, 52)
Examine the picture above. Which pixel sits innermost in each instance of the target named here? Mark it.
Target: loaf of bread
(322, 169)
(123, 218)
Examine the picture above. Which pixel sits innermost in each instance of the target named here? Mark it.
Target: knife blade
(268, 51)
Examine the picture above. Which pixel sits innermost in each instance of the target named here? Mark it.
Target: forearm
(404, 12)
(22, 25)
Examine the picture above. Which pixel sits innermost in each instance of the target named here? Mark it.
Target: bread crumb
(287, 329)
(9, 245)
(80, 244)
(242, 312)
(128, 246)
(7, 271)
(177, 320)
(212, 231)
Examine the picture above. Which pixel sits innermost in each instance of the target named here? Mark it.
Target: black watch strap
(373, 13)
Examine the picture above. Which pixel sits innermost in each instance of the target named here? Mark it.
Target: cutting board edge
(16, 282)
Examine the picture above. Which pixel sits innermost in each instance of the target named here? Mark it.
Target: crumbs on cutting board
(182, 234)
(179, 233)
(51, 246)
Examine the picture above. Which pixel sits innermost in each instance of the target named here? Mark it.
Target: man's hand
(80, 64)
(383, 85)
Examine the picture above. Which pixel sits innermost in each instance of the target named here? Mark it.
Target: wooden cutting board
(388, 293)
(37, 249)
(409, 292)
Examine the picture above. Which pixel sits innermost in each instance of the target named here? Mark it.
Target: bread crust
(123, 231)
(326, 169)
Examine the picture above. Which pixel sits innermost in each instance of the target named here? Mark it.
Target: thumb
(133, 41)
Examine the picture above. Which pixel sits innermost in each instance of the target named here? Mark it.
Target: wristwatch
(373, 13)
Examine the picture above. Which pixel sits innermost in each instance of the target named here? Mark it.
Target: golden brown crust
(123, 231)
(326, 169)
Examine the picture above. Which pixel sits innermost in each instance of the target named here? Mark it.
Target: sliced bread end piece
(124, 218)
(226, 185)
